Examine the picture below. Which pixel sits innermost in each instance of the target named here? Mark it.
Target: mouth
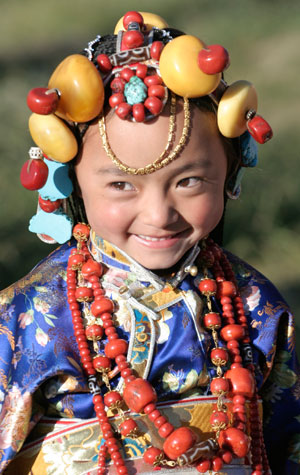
(160, 242)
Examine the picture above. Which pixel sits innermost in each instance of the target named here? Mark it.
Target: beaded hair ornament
(136, 81)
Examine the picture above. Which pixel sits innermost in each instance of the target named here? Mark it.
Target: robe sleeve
(272, 332)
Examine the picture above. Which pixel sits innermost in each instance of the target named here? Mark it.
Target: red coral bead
(116, 347)
(232, 332)
(118, 84)
(235, 440)
(156, 90)
(132, 17)
(101, 306)
(165, 430)
(112, 399)
(208, 286)
(49, 206)
(226, 456)
(212, 320)
(138, 112)
(213, 59)
(91, 268)
(154, 415)
(260, 129)
(241, 381)
(203, 466)
(219, 386)
(179, 442)
(160, 421)
(138, 394)
(217, 464)
(226, 288)
(116, 99)
(149, 408)
(128, 427)
(151, 455)
(41, 102)
(219, 420)
(141, 70)
(127, 74)
(123, 110)
(101, 363)
(94, 332)
(154, 105)
(34, 174)
(81, 232)
(153, 80)
(156, 49)
(84, 294)
(132, 39)
(219, 356)
(104, 63)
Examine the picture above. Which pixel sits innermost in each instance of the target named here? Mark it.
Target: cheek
(104, 215)
(207, 212)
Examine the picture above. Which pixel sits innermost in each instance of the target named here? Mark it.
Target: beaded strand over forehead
(165, 158)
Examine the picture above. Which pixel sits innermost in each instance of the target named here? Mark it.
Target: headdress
(150, 62)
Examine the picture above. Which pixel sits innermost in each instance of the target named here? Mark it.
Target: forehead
(139, 144)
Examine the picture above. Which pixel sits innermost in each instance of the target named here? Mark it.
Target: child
(152, 364)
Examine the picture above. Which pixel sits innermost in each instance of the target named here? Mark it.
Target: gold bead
(193, 271)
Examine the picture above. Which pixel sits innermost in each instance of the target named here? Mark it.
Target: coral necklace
(181, 446)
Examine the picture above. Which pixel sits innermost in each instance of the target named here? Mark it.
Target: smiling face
(154, 218)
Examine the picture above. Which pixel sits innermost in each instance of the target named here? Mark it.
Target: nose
(158, 210)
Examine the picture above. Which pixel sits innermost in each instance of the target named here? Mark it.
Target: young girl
(139, 344)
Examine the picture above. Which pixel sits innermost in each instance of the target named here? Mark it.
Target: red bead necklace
(181, 446)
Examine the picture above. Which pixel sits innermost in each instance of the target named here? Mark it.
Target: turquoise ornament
(58, 185)
(57, 225)
(135, 91)
(249, 150)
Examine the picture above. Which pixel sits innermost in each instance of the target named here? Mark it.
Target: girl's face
(154, 218)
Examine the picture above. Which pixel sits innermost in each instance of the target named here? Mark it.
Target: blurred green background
(263, 38)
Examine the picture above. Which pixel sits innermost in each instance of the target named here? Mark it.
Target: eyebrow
(203, 164)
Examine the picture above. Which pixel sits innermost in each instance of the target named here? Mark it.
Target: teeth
(148, 238)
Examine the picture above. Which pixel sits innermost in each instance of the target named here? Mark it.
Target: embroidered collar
(112, 256)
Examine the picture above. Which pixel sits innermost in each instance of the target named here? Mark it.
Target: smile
(159, 242)
(152, 238)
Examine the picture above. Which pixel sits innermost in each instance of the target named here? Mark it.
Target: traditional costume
(141, 372)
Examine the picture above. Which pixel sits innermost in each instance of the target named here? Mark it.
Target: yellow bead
(53, 136)
(237, 100)
(81, 88)
(179, 68)
(150, 20)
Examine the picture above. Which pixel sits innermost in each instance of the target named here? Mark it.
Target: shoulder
(51, 268)
(37, 296)
(265, 307)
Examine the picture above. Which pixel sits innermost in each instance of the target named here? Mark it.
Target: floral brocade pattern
(41, 375)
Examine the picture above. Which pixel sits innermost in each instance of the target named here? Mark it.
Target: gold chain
(165, 157)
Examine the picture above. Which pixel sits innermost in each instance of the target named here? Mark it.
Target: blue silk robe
(44, 399)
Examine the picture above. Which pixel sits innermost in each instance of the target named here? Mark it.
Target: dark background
(263, 39)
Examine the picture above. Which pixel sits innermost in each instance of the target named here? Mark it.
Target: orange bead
(241, 381)
(232, 332)
(235, 440)
(138, 394)
(179, 442)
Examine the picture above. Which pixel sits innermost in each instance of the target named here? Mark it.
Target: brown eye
(122, 186)
(189, 182)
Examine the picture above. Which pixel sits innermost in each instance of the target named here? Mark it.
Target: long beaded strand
(180, 447)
